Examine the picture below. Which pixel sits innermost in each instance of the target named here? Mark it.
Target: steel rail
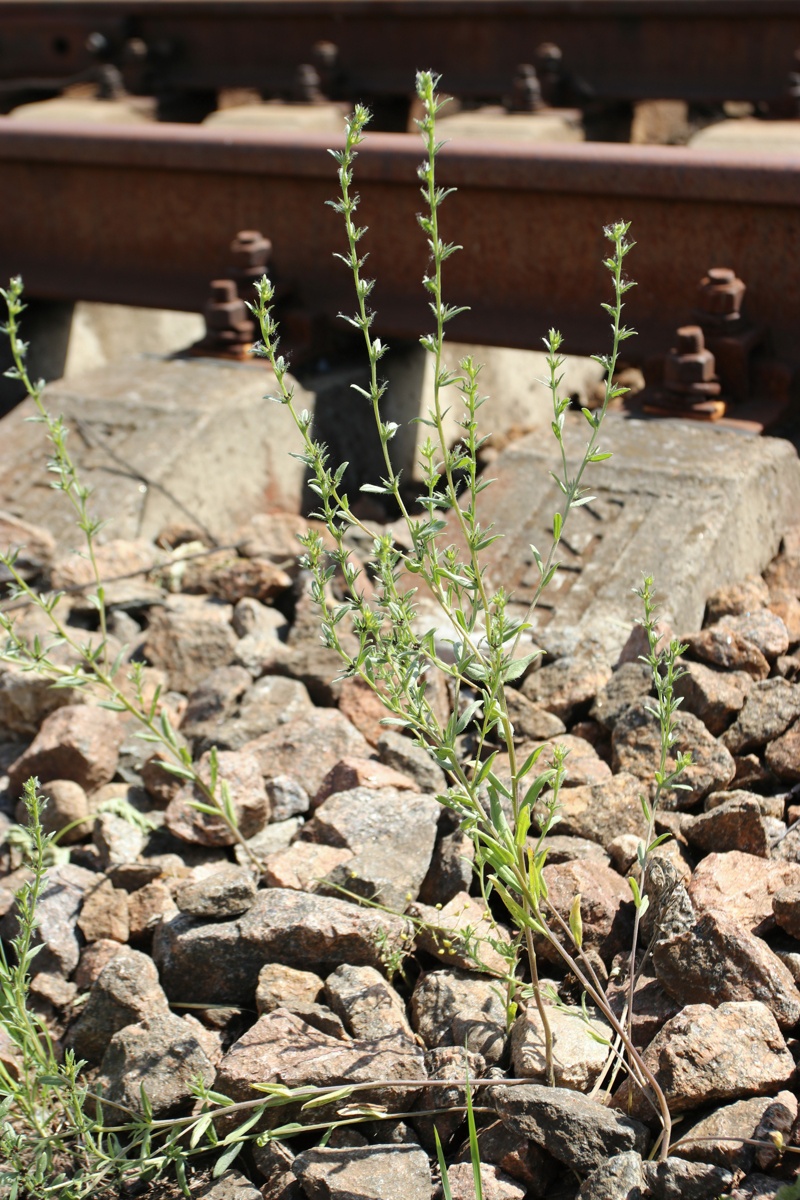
(699, 50)
(145, 216)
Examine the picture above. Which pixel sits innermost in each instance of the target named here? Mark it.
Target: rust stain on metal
(145, 216)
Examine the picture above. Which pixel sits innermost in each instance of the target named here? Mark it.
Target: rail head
(663, 172)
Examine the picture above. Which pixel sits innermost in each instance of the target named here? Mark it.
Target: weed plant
(58, 1138)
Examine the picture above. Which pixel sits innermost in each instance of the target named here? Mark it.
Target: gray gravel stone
(365, 1173)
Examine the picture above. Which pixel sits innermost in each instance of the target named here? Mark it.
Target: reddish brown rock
(104, 912)
(64, 803)
(94, 957)
(147, 906)
(284, 987)
(565, 686)
(603, 812)
(606, 906)
(308, 748)
(760, 627)
(78, 742)
(636, 744)
(733, 599)
(734, 825)
(354, 772)
(787, 607)
(714, 696)
(303, 866)
(242, 774)
(782, 755)
(35, 546)
(706, 1054)
(126, 991)
(531, 722)
(770, 708)
(728, 650)
(460, 933)
(229, 578)
(282, 1048)
(786, 906)
(742, 886)
(716, 960)
(362, 706)
(188, 638)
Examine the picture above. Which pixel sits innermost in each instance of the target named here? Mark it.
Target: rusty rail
(145, 215)
(700, 50)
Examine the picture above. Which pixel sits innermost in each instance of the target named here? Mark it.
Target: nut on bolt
(228, 322)
(720, 296)
(689, 368)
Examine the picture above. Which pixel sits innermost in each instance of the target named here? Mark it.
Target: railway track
(146, 215)
(598, 52)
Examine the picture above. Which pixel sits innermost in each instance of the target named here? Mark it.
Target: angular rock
(565, 686)
(576, 1130)
(496, 1185)
(27, 699)
(242, 773)
(736, 598)
(189, 637)
(451, 868)
(400, 752)
(252, 617)
(286, 797)
(578, 1058)
(531, 722)
(449, 1007)
(308, 747)
(631, 684)
(306, 866)
(604, 811)
(77, 742)
(215, 699)
(715, 697)
(274, 1164)
(652, 1005)
(93, 958)
(351, 773)
(460, 933)
(721, 1136)
(308, 661)
(728, 650)
(677, 1179)
(717, 960)
(104, 912)
(365, 1173)
(227, 577)
(126, 991)
(636, 748)
(284, 987)
(359, 703)
(758, 1187)
(742, 886)
(621, 1178)
(65, 803)
(452, 1065)
(118, 841)
(391, 835)
(219, 962)
(147, 906)
(786, 907)
(734, 825)
(269, 703)
(225, 893)
(760, 627)
(281, 1047)
(606, 907)
(161, 1053)
(710, 1054)
(35, 546)
(369, 1006)
(57, 914)
(769, 806)
(770, 708)
(583, 764)
(782, 755)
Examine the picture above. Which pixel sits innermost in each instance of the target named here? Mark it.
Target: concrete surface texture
(693, 505)
(159, 441)
(750, 134)
(495, 123)
(129, 111)
(322, 118)
(100, 334)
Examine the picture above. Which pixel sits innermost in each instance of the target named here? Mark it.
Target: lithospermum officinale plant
(445, 557)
